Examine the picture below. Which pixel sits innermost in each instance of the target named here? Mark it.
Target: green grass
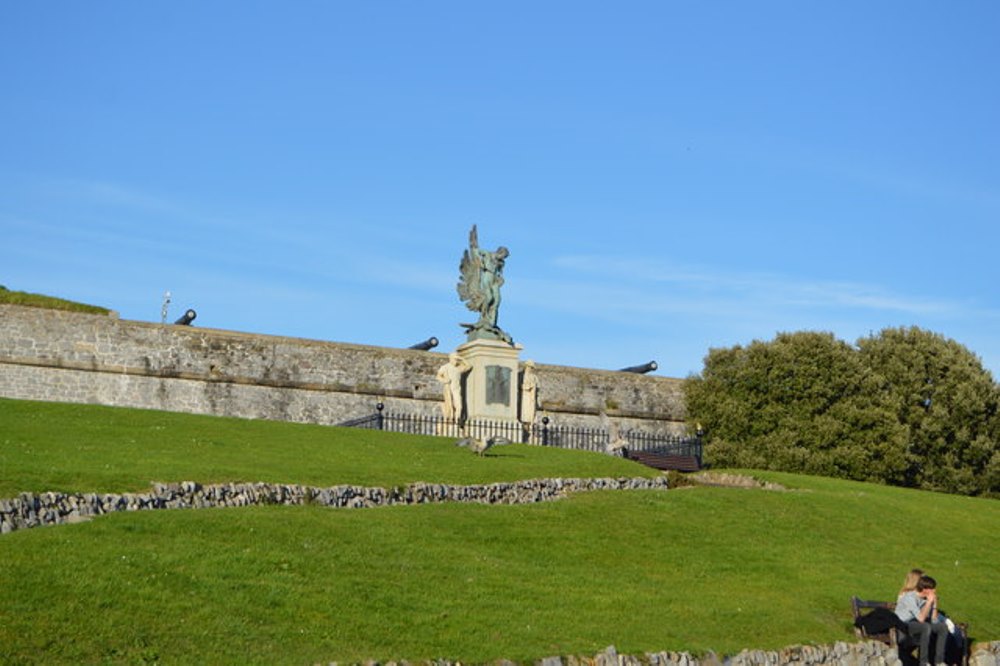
(89, 448)
(50, 302)
(694, 569)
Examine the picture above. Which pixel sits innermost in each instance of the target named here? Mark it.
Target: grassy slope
(50, 302)
(691, 569)
(51, 446)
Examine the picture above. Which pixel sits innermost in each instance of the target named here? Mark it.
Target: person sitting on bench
(918, 608)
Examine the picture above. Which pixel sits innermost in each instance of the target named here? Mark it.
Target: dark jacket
(880, 621)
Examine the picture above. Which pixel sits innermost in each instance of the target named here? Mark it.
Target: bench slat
(665, 461)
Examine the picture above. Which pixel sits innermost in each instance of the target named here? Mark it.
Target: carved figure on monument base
(529, 396)
(450, 375)
(617, 442)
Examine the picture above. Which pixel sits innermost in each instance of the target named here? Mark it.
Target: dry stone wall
(52, 508)
(866, 653)
(74, 357)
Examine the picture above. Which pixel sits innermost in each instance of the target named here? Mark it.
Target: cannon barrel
(641, 369)
(429, 343)
(187, 318)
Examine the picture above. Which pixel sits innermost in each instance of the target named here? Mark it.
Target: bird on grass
(480, 446)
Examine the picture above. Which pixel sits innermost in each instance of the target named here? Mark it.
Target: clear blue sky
(669, 176)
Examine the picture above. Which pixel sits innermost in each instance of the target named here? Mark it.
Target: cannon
(187, 318)
(429, 343)
(641, 369)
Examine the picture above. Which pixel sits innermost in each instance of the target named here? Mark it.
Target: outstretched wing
(469, 289)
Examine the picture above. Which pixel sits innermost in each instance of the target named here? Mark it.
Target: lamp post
(165, 308)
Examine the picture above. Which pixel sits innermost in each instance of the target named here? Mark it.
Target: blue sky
(669, 176)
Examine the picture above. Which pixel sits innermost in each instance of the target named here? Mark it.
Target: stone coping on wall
(239, 380)
(53, 508)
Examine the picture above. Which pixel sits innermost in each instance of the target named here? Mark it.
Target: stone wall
(73, 357)
(53, 508)
(864, 653)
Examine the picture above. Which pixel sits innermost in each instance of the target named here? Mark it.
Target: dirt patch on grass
(733, 481)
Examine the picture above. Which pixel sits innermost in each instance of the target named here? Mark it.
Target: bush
(905, 407)
(947, 402)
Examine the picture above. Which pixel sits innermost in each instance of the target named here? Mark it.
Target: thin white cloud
(410, 275)
(119, 196)
(724, 287)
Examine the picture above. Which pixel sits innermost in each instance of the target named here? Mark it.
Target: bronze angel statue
(479, 287)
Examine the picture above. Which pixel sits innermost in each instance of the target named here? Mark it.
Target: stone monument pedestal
(491, 387)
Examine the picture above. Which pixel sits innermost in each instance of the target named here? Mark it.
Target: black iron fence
(544, 433)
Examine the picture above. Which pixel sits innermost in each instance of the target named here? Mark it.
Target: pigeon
(479, 446)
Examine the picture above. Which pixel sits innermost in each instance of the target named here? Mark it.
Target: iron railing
(544, 433)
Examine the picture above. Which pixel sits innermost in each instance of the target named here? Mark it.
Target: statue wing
(469, 289)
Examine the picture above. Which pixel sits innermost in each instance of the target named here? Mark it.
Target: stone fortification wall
(73, 357)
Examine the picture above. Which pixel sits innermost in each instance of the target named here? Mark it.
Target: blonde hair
(910, 583)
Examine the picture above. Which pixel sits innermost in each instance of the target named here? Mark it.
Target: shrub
(906, 407)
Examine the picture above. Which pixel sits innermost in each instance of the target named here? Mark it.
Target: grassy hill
(50, 302)
(89, 448)
(697, 569)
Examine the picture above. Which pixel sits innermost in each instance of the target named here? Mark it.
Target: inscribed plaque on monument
(497, 385)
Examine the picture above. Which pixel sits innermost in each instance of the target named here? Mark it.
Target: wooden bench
(858, 608)
(904, 644)
(665, 461)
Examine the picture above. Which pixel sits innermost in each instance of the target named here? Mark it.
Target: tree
(803, 402)
(948, 404)
(906, 407)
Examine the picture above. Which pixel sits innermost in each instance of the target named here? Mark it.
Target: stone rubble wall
(985, 654)
(58, 356)
(53, 508)
(864, 653)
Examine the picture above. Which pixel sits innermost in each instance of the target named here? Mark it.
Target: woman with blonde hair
(910, 583)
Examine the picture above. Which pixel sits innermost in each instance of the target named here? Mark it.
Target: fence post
(379, 418)
(699, 433)
(545, 431)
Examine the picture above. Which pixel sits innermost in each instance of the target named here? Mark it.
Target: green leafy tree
(905, 407)
(948, 404)
(803, 402)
